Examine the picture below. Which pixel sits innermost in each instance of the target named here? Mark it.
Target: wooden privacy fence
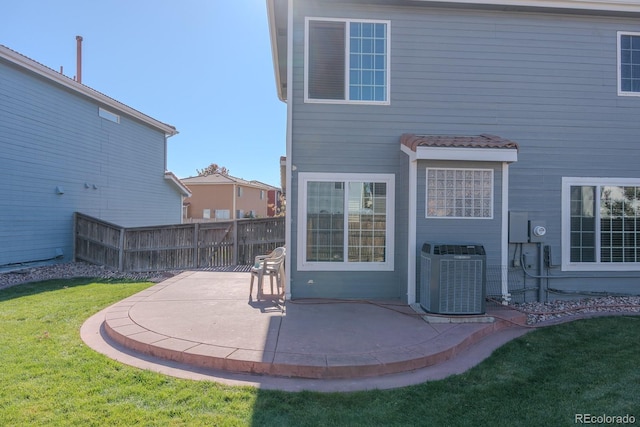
(175, 247)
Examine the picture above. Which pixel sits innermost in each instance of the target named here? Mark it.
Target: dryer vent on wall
(453, 278)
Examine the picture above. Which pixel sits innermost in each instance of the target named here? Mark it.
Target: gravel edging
(537, 312)
(549, 312)
(74, 270)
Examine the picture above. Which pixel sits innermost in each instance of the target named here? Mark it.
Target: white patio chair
(271, 265)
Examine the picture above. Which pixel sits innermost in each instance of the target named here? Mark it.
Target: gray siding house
(65, 147)
(510, 124)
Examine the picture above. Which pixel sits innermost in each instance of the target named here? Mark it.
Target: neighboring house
(67, 148)
(460, 121)
(219, 197)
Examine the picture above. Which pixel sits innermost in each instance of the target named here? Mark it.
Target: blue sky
(203, 66)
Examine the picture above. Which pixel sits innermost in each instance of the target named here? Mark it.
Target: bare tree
(211, 169)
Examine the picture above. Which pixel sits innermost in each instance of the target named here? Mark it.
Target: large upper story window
(347, 61)
(629, 64)
(346, 221)
(601, 224)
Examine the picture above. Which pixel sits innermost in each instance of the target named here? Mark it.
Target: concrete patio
(202, 325)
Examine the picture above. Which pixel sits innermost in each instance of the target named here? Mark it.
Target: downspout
(166, 146)
(235, 196)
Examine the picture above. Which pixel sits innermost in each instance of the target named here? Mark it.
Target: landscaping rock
(543, 312)
(75, 269)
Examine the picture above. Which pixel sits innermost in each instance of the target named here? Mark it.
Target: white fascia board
(170, 176)
(273, 35)
(65, 81)
(409, 152)
(601, 5)
(467, 154)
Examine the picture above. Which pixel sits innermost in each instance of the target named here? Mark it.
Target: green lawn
(49, 377)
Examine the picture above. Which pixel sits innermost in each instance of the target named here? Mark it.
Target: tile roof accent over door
(459, 147)
(479, 141)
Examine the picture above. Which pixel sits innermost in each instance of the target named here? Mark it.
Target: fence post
(236, 243)
(196, 243)
(121, 250)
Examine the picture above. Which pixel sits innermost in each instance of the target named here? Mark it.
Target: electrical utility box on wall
(518, 227)
(537, 231)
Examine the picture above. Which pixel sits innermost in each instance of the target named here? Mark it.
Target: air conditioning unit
(453, 278)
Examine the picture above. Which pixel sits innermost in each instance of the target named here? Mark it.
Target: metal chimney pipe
(79, 59)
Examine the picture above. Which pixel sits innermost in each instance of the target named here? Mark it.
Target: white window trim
(426, 195)
(303, 265)
(108, 115)
(567, 265)
(619, 46)
(347, 21)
